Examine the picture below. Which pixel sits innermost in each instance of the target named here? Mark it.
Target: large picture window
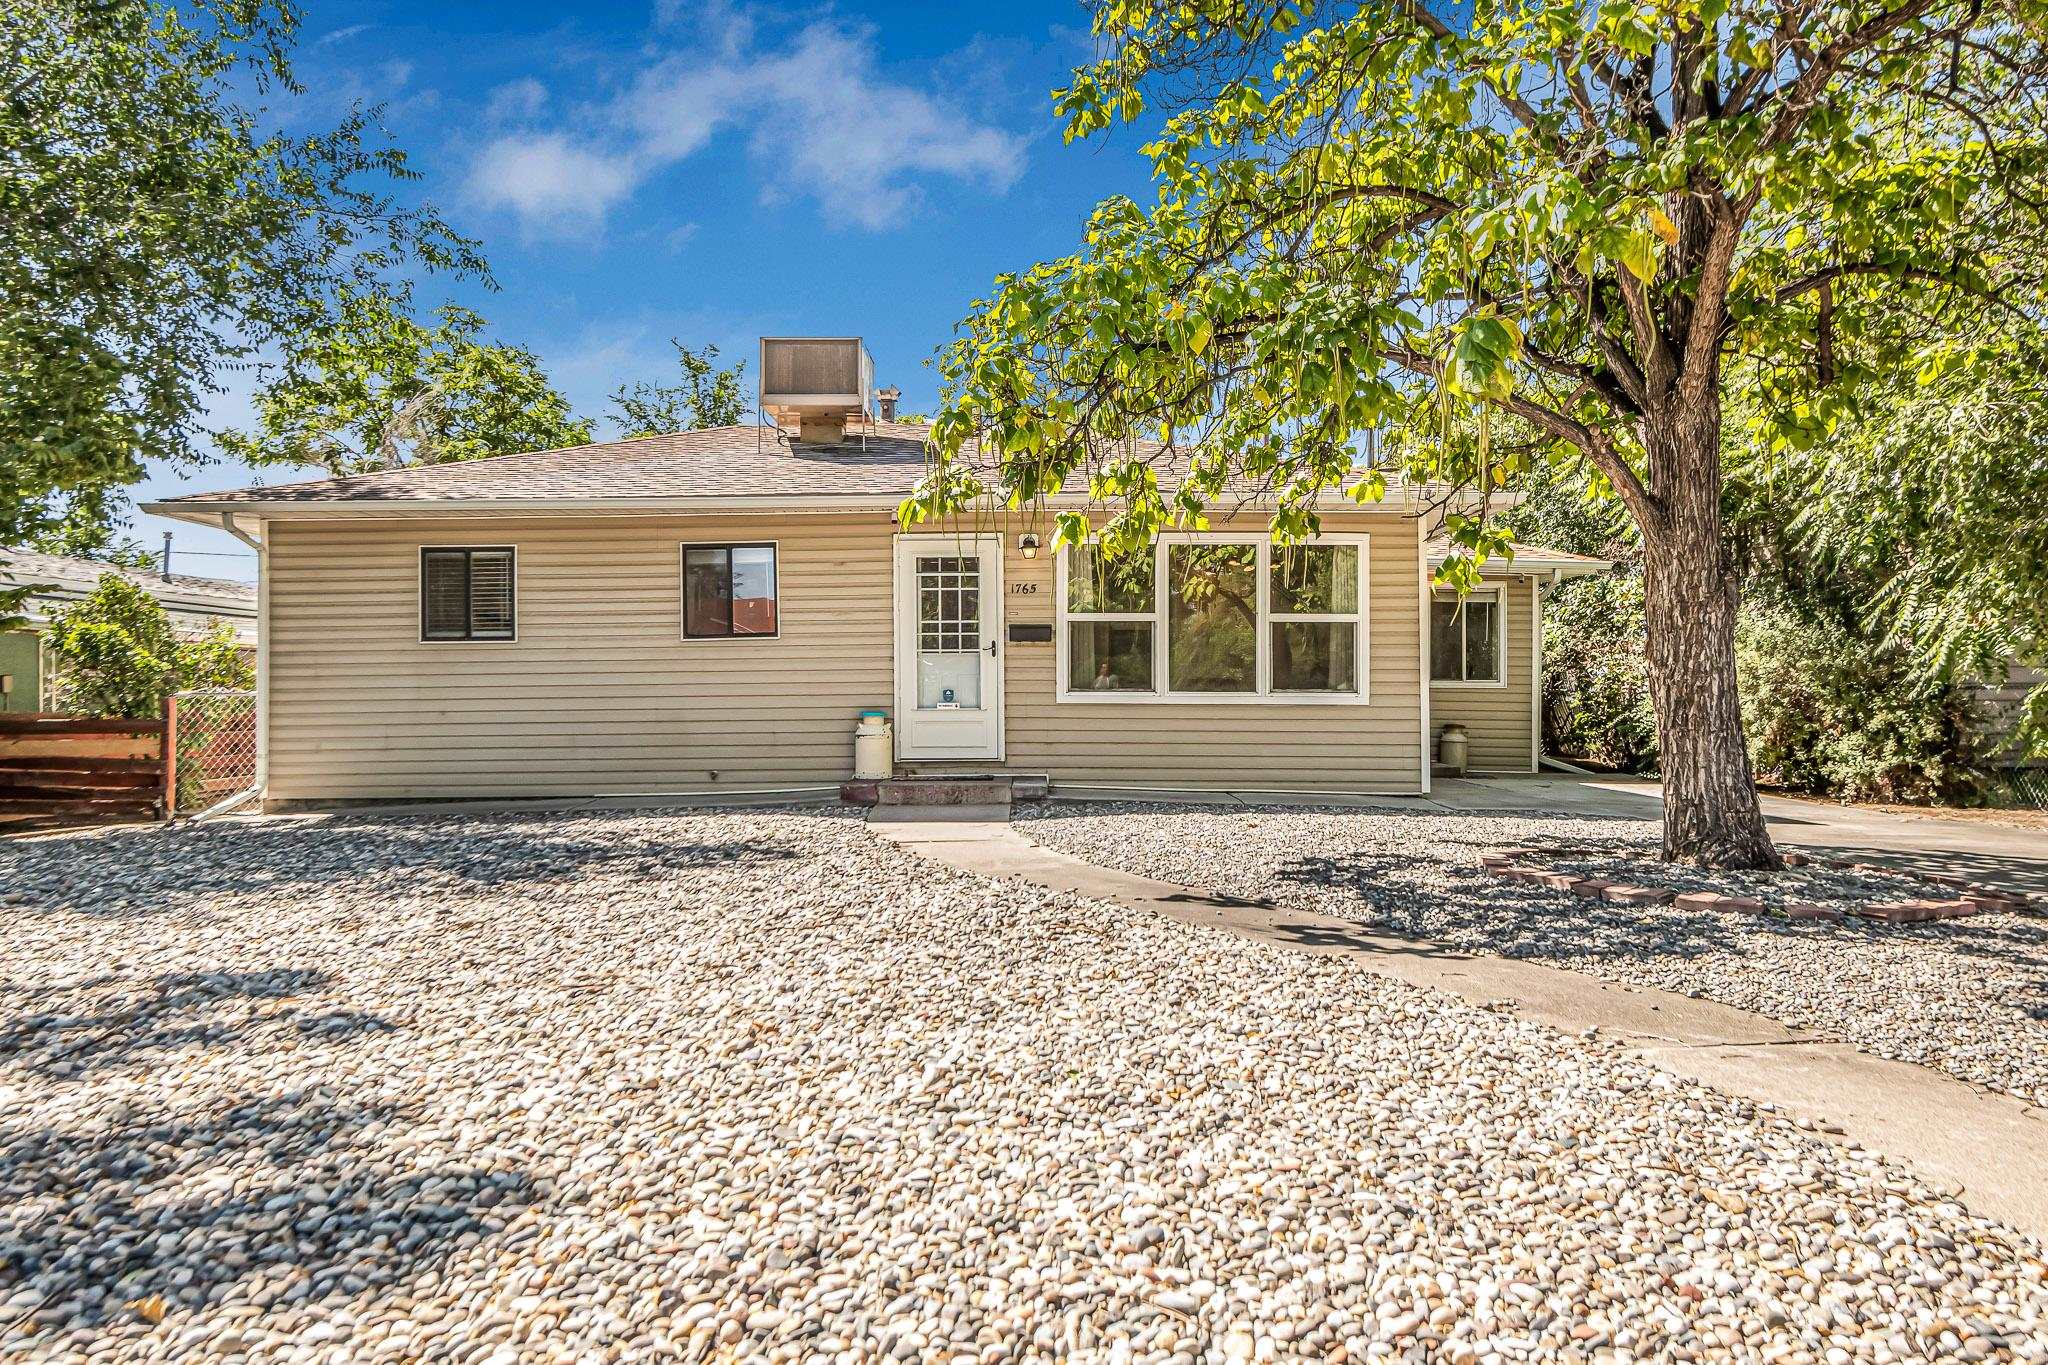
(729, 591)
(1467, 644)
(1214, 618)
(467, 593)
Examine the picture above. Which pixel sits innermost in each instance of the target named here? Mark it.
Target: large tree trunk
(1711, 814)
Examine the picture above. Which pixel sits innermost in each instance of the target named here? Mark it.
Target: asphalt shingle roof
(715, 462)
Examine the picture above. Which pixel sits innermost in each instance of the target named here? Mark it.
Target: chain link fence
(211, 750)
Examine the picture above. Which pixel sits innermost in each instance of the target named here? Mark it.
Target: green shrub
(116, 654)
(1596, 682)
(1826, 710)
(1832, 713)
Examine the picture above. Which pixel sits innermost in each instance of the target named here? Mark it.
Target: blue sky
(709, 171)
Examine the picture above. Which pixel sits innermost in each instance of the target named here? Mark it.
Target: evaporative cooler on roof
(819, 382)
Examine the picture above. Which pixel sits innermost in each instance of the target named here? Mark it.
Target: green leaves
(116, 654)
(1371, 221)
(381, 391)
(707, 397)
(1636, 249)
(1482, 358)
(158, 228)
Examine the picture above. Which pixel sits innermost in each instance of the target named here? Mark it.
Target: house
(193, 604)
(709, 612)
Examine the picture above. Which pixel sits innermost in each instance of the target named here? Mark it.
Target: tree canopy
(1603, 223)
(382, 390)
(705, 396)
(1928, 509)
(1364, 216)
(155, 232)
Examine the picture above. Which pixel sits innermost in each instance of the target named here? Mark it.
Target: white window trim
(419, 606)
(1499, 593)
(683, 549)
(1264, 695)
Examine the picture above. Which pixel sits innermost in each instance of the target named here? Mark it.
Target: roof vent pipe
(885, 402)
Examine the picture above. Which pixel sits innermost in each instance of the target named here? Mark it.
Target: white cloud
(819, 117)
(341, 35)
(552, 183)
(516, 101)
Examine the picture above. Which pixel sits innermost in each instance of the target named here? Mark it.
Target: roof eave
(1574, 567)
(205, 512)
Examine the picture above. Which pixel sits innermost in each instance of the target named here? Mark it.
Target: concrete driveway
(1978, 849)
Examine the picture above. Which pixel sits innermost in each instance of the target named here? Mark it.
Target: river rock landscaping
(1969, 996)
(759, 1086)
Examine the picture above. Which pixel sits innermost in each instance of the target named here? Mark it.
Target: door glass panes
(1212, 618)
(949, 642)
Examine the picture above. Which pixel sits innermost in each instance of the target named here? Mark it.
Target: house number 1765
(1023, 589)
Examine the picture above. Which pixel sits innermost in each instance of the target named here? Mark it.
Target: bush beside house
(116, 654)
(1825, 711)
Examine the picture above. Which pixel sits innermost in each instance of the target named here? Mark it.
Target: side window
(729, 591)
(467, 593)
(1465, 637)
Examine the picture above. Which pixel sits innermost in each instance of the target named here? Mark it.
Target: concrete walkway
(1990, 1148)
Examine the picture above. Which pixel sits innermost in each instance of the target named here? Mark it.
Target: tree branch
(1806, 91)
(1814, 280)
(1592, 444)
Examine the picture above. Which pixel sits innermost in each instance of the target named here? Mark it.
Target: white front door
(949, 665)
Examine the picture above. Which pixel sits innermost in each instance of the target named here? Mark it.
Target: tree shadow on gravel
(287, 1183)
(1511, 919)
(73, 1032)
(158, 871)
(2009, 871)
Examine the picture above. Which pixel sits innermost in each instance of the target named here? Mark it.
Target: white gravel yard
(759, 1086)
(1968, 996)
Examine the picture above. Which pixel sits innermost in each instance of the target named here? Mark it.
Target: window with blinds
(467, 594)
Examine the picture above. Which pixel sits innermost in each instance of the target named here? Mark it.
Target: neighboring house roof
(747, 465)
(1527, 559)
(189, 599)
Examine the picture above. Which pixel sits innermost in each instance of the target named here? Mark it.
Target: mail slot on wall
(1030, 634)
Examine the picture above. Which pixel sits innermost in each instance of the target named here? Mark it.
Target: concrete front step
(929, 791)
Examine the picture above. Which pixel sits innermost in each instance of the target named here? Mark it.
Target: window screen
(729, 590)
(467, 594)
(1464, 638)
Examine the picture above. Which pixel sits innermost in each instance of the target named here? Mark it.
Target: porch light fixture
(1028, 544)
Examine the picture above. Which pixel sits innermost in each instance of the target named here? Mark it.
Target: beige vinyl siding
(600, 694)
(1496, 719)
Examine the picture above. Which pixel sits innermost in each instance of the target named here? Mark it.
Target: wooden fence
(76, 770)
